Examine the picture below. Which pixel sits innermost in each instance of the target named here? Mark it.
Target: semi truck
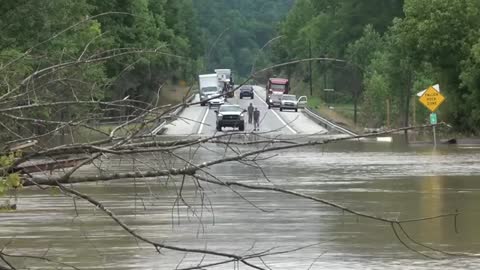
(276, 87)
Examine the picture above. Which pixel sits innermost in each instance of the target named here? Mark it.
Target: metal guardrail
(161, 126)
(326, 123)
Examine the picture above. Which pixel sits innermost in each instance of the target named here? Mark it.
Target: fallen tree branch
(190, 170)
(156, 245)
(322, 201)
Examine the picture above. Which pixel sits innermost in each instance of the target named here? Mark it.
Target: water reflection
(432, 203)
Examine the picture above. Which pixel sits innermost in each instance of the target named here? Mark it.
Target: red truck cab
(277, 86)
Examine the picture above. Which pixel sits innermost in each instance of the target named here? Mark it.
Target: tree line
(393, 50)
(35, 35)
(235, 31)
(66, 50)
(78, 54)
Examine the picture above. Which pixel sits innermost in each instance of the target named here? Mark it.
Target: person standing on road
(256, 119)
(250, 113)
(225, 90)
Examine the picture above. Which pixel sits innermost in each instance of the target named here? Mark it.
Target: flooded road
(391, 181)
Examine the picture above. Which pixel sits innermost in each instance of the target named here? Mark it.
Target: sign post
(432, 99)
(433, 121)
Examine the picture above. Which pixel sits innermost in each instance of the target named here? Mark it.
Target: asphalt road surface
(198, 120)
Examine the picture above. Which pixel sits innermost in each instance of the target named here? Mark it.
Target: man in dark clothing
(225, 90)
(250, 113)
(256, 119)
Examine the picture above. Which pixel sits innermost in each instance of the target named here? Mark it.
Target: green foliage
(442, 35)
(332, 25)
(361, 51)
(376, 94)
(235, 31)
(401, 48)
(167, 26)
(314, 102)
(342, 29)
(26, 24)
(35, 35)
(8, 181)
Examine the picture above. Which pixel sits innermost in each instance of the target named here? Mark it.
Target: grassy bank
(173, 94)
(342, 114)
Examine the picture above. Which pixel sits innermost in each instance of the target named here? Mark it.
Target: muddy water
(392, 181)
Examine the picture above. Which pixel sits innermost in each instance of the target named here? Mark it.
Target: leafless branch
(190, 170)
(156, 245)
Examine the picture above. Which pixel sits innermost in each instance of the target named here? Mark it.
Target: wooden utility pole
(388, 113)
(355, 108)
(325, 81)
(310, 66)
(414, 111)
(357, 84)
(407, 105)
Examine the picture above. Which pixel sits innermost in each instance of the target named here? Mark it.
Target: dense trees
(166, 26)
(401, 47)
(188, 36)
(43, 47)
(86, 50)
(234, 31)
(395, 48)
(89, 50)
(444, 35)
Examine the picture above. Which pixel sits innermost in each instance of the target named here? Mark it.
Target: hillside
(234, 31)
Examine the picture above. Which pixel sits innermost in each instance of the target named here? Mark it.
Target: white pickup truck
(290, 102)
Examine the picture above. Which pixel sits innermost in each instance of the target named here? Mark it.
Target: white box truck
(208, 88)
(223, 74)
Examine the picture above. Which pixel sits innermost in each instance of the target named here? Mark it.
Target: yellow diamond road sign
(432, 99)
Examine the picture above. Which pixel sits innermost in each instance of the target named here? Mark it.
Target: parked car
(274, 100)
(230, 116)
(206, 93)
(218, 101)
(246, 91)
(290, 102)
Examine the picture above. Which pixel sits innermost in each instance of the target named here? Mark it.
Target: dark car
(274, 100)
(246, 91)
(230, 116)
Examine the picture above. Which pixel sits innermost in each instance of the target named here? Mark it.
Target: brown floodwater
(389, 180)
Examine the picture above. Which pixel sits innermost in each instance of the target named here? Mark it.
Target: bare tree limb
(190, 170)
(156, 245)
